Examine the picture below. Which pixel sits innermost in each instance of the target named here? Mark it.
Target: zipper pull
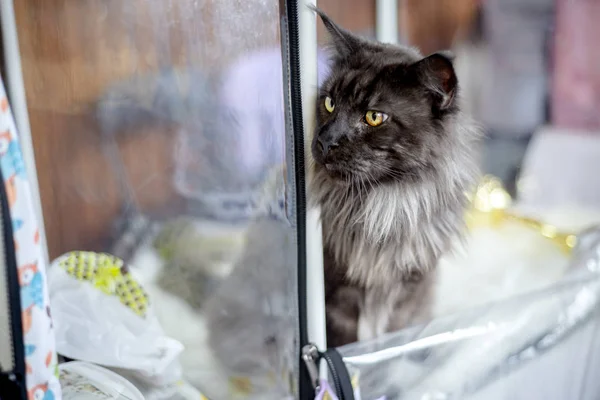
(311, 357)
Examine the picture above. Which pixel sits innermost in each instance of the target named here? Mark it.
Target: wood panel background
(73, 49)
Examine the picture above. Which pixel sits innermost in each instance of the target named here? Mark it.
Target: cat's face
(379, 112)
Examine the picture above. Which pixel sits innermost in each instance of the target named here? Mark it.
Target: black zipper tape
(293, 90)
(12, 383)
(339, 374)
(291, 62)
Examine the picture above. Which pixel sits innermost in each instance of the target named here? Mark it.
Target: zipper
(339, 374)
(290, 44)
(12, 350)
(337, 370)
(309, 353)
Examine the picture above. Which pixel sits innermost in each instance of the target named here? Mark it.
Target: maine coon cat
(393, 162)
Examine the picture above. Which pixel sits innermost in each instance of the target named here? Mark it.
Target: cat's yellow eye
(329, 106)
(375, 118)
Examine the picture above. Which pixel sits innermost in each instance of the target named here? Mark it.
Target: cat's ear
(436, 73)
(344, 42)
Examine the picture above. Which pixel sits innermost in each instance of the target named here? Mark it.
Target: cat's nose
(325, 145)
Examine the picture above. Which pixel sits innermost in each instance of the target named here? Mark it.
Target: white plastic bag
(93, 324)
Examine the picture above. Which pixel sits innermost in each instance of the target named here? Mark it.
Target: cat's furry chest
(386, 236)
(380, 250)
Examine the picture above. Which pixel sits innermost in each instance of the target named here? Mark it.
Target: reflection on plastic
(251, 317)
(229, 131)
(478, 354)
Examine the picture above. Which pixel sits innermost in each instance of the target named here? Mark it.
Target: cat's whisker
(388, 171)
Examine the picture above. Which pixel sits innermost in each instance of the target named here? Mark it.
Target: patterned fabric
(40, 352)
(109, 274)
(326, 392)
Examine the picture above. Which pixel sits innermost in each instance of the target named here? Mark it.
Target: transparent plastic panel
(540, 345)
(159, 136)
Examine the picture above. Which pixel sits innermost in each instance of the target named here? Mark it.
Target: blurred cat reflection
(251, 316)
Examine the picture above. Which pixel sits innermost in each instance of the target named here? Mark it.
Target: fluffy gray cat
(394, 159)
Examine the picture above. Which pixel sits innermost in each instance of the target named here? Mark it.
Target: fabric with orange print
(38, 332)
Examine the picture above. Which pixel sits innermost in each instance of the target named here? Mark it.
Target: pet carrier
(183, 261)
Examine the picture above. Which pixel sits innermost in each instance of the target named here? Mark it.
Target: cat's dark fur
(392, 197)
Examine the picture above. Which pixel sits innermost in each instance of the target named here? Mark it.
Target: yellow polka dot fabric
(108, 274)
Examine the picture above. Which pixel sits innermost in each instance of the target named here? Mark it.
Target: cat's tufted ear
(344, 43)
(436, 73)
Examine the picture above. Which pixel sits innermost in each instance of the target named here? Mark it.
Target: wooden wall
(72, 49)
(434, 25)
